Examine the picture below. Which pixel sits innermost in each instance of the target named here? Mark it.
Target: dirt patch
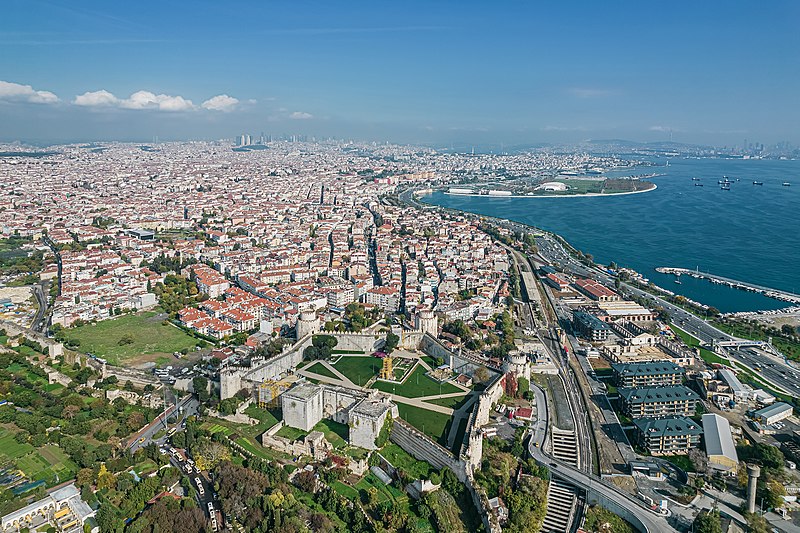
(625, 483)
(17, 295)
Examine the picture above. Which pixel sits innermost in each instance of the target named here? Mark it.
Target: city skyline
(709, 74)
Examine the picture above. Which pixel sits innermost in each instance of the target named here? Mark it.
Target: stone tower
(518, 364)
(427, 322)
(308, 323)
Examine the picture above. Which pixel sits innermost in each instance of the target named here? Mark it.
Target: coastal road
(774, 371)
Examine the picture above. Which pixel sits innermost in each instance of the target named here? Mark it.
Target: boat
(698, 184)
(695, 179)
(787, 184)
(678, 281)
(726, 187)
(758, 183)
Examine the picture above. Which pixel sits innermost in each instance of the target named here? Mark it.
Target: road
(652, 521)
(198, 479)
(770, 368)
(39, 323)
(145, 435)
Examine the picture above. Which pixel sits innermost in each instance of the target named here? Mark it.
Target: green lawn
(403, 460)
(681, 461)
(385, 492)
(345, 490)
(149, 335)
(322, 370)
(357, 369)
(431, 423)
(48, 462)
(454, 403)
(291, 433)
(416, 385)
(707, 355)
(335, 433)
(266, 418)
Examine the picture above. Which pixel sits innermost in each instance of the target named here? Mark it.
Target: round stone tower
(427, 322)
(308, 323)
(517, 363)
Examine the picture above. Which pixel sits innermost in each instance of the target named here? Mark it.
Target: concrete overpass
(608, 496)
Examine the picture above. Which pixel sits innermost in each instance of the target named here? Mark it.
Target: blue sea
(749, 233)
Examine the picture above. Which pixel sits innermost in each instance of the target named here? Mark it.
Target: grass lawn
(258, 450)
(357, 369)
(454, 403)
(266, 418)
(335, 433)
(385, 492)
(48, 462)
(417, 385)
(10, 448)
(345, 490)
(322, 370)
(707, 355)
(681, 461)
(431, 423)
(291, 433)
(149, 335)
(403, 460)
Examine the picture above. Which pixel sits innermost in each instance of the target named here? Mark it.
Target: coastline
(585, 195)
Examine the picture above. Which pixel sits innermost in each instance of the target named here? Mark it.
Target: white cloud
(300, 115)
(14, 92)
(101, 98)
(162, 102)
(221, 102)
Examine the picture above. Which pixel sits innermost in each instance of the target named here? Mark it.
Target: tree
(209, 454)
(391, 342)
(787, 330)
(707, 522)
(481, 374)
(105, 479)
(200, 387)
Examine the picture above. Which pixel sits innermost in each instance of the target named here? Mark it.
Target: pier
(776, 294)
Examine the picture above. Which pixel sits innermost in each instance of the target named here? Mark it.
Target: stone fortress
(305, 404)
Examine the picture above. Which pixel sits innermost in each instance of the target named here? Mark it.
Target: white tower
(517, 363)
(307, 323)
(427, 322)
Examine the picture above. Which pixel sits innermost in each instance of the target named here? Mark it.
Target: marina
(776, 294)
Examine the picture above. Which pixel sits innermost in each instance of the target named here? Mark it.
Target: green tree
(707, 522)
(392, 341)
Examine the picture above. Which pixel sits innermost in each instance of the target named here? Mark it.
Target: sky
(433, 72)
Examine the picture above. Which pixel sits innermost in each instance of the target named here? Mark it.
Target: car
(141, 440)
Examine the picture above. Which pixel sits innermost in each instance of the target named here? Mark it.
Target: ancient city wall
(423, 448)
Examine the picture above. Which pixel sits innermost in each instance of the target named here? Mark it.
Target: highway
(652, 521)
(781, 375)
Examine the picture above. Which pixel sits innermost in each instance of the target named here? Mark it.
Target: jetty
(776, 294)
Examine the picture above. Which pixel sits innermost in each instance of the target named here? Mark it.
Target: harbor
(769, 292)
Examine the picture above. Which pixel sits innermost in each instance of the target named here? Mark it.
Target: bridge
(635, 511)
(745, 343)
